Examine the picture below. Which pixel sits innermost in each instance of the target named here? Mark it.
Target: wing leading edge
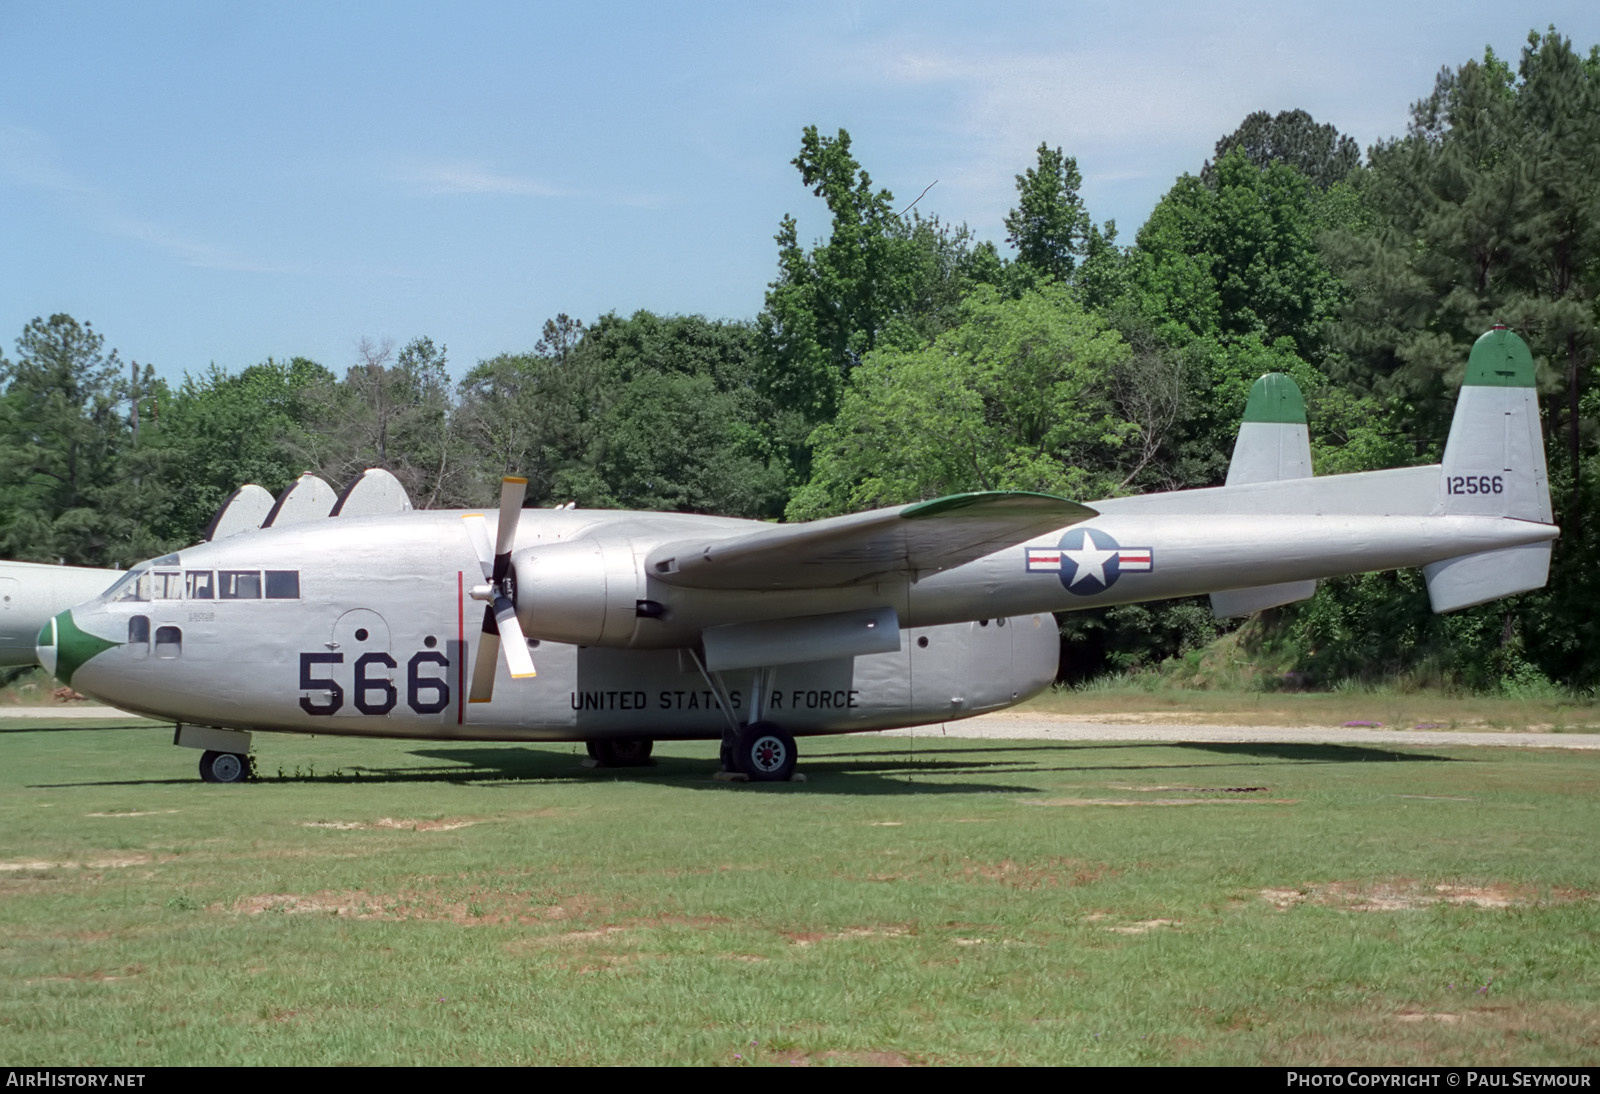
(907, 540)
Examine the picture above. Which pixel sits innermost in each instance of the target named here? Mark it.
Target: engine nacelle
(583, 591)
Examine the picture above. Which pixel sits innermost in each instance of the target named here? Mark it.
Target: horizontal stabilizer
(792, 641)
(1476, 579)
(910, 540)
(1235, 602)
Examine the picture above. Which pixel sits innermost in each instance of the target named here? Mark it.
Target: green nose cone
(73, 645)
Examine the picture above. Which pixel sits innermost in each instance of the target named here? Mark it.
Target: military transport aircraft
(651, 626)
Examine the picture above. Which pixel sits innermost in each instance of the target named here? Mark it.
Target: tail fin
(1494, 466)
(1273, 445)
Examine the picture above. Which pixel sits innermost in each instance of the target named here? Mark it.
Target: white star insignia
(1090, 561)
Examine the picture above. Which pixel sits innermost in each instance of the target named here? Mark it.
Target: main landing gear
(224, 767)
(762, 752)
(621, 752)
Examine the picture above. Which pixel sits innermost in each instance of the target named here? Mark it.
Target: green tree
(879, 279)
(1236, 258)
(646, 412)
(1292, 137)
(1488, 210)
(1014, 398)
(219, 431)
(1050, 226)
(72, 488)
(394, 412)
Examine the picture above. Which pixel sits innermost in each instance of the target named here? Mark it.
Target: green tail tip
(1499, 358)
(1275, 398)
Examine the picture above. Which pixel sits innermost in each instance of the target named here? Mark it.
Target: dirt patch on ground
(409, 825)
(1404, 895)
(1049, 874)
(1144, 926)
(1191, 789)
(104, 862)
(136, 813)
(1159, 801)
(627, 929)
(93, 975)
(861, 1058)
(478, 908)
(811, 938)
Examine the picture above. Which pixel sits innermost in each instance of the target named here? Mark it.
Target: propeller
(501, 631)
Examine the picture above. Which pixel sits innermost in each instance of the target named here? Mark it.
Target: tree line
(901, 358)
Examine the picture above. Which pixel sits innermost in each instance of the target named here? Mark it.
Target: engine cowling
(584, 591)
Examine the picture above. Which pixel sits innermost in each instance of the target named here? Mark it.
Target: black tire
(623, 752)
(593, 750)
(765, 752)
(224, 767)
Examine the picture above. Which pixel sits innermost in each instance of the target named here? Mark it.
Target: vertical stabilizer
(1273, 444)
(1494, 466)
(1273, 441)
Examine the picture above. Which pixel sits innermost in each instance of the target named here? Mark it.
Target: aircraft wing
(911, 540)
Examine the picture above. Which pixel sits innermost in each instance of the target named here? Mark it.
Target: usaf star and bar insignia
(1089, 561)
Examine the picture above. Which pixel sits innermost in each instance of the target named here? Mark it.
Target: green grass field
(914, 901)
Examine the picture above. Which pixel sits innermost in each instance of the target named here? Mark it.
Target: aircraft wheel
(625, 752)
(765, 752)
(593, 749)
(224, 767)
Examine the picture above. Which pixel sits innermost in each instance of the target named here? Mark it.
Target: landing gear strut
(224, 767)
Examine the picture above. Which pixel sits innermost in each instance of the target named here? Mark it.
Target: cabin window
(200, 585)
(283, 584)
(169, 642)
(139, 635)
(166, 585)
(239, 584)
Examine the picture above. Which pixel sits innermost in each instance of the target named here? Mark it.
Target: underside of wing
(905, 540)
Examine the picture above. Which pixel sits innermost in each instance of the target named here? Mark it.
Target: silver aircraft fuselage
(366, 626)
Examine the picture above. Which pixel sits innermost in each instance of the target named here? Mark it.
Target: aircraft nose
(64, 646)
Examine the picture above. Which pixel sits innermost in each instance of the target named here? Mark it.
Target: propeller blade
(512, 491)
(518, 659)
(501, 631)
(488, 657)
(478, 533)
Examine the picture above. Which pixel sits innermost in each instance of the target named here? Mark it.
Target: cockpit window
(166, 585)
(239, 584)
(199, 585)
(135, 585)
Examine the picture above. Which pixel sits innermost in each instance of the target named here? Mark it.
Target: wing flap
(905, 540)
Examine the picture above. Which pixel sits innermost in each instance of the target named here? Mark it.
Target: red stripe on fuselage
(461, 644)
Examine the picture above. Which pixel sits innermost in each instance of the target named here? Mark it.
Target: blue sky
(224, 182)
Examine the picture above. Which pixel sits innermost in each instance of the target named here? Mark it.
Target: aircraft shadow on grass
(847, 771)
